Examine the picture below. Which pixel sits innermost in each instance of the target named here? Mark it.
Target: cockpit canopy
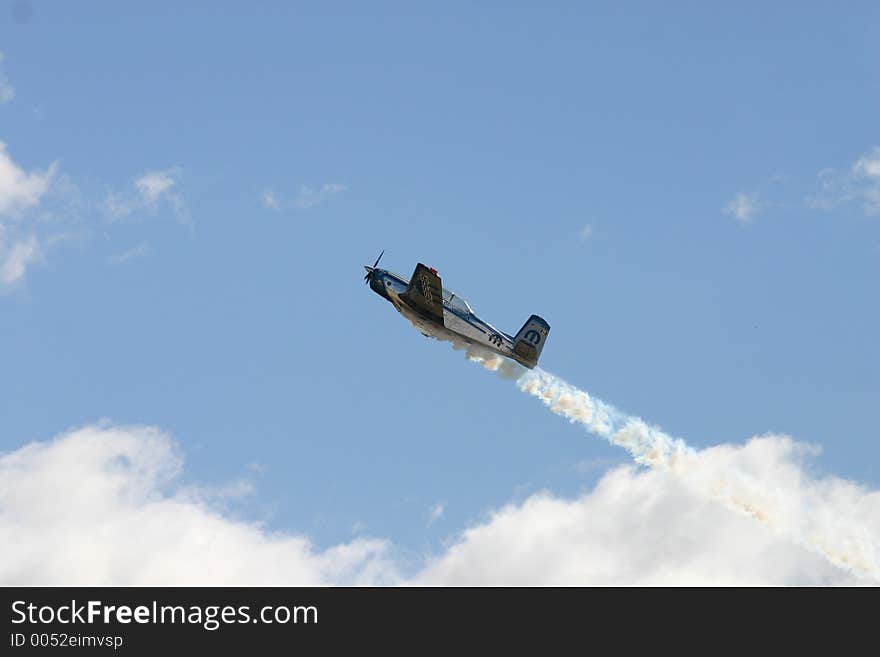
(456, 302)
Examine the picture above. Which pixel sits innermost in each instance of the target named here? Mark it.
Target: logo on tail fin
(426, 287)
(532, 336)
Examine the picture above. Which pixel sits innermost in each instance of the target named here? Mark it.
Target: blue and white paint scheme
(444, 315)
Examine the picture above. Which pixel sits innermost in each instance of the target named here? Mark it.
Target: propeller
(370, 269)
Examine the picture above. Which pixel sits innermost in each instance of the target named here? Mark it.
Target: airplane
(442, 314)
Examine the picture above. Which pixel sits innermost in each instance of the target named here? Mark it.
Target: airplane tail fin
(530, 340)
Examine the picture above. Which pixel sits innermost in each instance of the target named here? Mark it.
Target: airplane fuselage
(459, 322)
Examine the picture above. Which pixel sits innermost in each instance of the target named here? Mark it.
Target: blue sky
(689, 194)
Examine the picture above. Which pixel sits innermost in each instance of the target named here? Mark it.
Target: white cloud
(309, 197)
(102, 505)
(7, 92)
(435, 512)
(586, 232)
(648, 527)
(744, 207)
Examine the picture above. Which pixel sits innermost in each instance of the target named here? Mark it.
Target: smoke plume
(831, 517)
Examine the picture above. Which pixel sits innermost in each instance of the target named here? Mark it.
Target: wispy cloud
(153, 186)
(116, 206)
(309, 197)
(306, 198)
(139, 251)
(19, 189)
(858, 184)
(16, 257)
(435, 513)
(744, 207)
(866, 172)
(21, 194)
(780, 177)
(7, 92)
(269, 200)
(41, 208)
(586, 232)
(151, 191)
(868, 166)
(591, 465)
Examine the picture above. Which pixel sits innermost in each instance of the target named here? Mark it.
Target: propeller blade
(379, 258)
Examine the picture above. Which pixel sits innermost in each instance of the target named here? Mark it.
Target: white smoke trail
(821, 516)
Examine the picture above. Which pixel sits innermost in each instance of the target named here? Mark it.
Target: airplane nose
(368, 268)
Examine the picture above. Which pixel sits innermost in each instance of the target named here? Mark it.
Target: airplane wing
(425, 292)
